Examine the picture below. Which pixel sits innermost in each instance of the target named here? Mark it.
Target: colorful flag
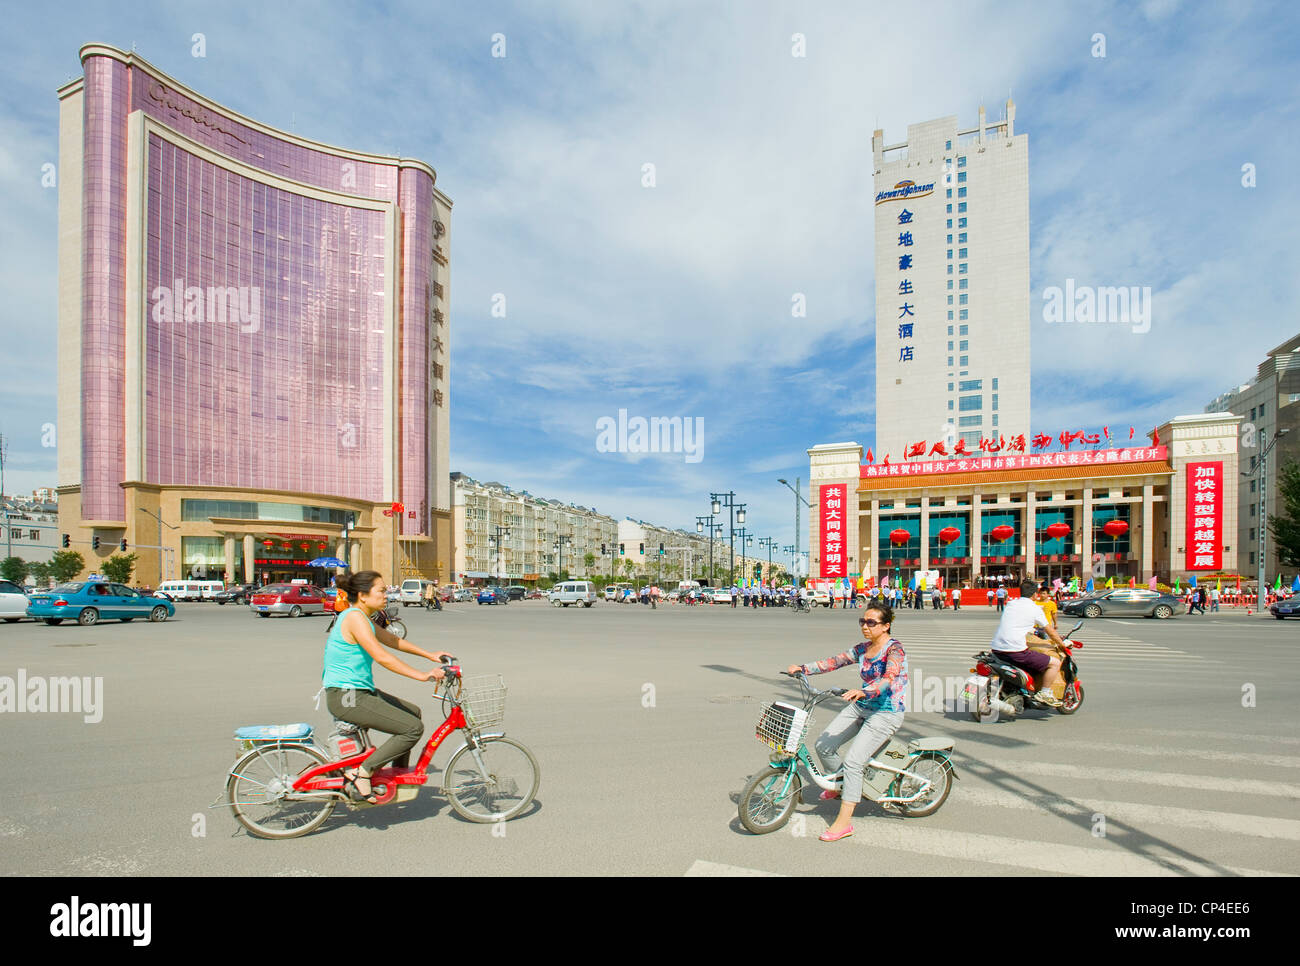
(1191, 581)
(1277, 584)
(1090, 585)
(869, 458)
(1152, 582)
(1176, 585)
(1218, 584)
(1132, 582)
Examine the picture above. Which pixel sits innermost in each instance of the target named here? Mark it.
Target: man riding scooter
(1016, 629)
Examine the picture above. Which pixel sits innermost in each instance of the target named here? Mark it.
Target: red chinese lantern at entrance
(949, 534)
(1115, 528)
(1002, 533)
(899, 537)
(1058, 530)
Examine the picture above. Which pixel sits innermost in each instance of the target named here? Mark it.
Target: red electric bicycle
(285, 785)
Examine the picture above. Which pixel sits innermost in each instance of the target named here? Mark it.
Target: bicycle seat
(271, 732)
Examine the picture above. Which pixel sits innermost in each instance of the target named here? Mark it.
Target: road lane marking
(1208, 783)
(701, 869)
(1137, 814)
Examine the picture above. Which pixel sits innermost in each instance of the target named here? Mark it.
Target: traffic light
(643, 549)
(758, 571)
(621, 551)
(122, 546)
(603, 551)
(67, 541)
(661, 549)
(94, 542)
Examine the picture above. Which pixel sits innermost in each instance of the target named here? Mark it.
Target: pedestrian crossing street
(1071, 807)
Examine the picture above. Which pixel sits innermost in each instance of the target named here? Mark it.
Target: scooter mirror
(1076, 627)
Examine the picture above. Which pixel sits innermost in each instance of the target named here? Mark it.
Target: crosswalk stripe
(1134, 813)
(1219, 735)
(701, 869)
(1209, 783)
(1205, 754)
(1029, 854)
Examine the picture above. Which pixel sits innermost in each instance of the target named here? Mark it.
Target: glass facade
(267, 368)
(248, 510)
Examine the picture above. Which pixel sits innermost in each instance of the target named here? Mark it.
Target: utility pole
(798, 498)
(735, 514)
(1262, 469)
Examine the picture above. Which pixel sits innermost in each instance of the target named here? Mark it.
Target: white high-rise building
(952, 287)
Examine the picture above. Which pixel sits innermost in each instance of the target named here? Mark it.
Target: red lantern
(1058, 530)
(949, 534)
(1002, 533)
(899, 536)
(267, 543)
(1115, 528)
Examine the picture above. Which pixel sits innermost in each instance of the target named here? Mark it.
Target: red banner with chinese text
(834, 500)
(1204, 539)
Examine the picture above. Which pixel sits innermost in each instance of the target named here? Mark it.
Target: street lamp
(798, 498)
(736, 514)
(496, 539)
(769, 543)
(560, 541)
(700, 524)
(161, 524)
(1260, 468)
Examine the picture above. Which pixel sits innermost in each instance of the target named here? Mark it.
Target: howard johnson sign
(904, 190)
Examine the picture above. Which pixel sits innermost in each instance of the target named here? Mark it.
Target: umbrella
(327, 562)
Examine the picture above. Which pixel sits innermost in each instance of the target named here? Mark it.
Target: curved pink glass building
(253, 340)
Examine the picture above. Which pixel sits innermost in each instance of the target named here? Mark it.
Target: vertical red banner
(1204, 540)
(834, 511)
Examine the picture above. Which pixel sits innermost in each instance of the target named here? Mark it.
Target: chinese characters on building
(834, 501)
(905, 288)
(1204, 516)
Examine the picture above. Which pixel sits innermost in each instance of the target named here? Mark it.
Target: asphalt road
(1183, 760)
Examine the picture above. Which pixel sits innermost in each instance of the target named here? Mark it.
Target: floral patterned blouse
(884, 679)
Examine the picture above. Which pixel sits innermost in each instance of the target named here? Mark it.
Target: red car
(293, 600)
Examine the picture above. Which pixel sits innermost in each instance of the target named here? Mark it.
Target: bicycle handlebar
(802, 678)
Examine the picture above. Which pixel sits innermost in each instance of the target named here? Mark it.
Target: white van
(413, 591)
(579, 592)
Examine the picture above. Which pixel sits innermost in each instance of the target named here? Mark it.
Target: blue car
(91, 601)
(493, 595)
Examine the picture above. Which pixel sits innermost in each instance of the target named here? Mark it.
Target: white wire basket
(483, 698)
(782, 727)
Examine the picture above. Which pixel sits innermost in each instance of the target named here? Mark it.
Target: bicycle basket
(782, 726)
(483, 698)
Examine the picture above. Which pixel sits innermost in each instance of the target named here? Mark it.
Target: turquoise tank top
(347, 665)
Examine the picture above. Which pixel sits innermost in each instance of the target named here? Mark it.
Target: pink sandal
(828, 837)
(827, 796)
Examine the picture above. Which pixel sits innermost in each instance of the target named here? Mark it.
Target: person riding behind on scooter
(351, 648)
(1011, 641)
(874, 712)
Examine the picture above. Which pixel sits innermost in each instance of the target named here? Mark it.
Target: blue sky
(675, 300)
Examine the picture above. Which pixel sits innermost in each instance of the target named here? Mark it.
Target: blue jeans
(868, 731)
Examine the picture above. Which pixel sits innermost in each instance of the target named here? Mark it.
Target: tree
(589, 559)
(39, 572)
(14, 568)
(118, 567)
(66, 564)
(1285, 526)
(629, 567)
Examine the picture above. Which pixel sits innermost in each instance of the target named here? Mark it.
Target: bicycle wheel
(511, 780)
(397, 629)
(768, 800)
(932, 769)
(258, 787)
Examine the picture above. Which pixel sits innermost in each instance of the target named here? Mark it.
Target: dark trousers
(381, 712)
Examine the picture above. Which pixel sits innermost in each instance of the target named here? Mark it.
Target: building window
(995, 401)
(1252, 413)
(1262, 407)
(34, 534)
(949, 192)
(972, 438)
(949, 346)
(950, 239)
(950, 209)
(950, 330)
(963, 330)
(970, 403)
(1252, 486)
(1252, 506)
(1252, 558)
(961, 253)
(995, 383)
(962, 299)
(965, 361)
(961, 238)
(961, 161)
(961, 222)
(961, 177)
(1252, 534)
(950, 269)
(949, 222)
(970, 421)
(971, 385)
(964, 347)
(950, 315)
(995, 419)
(950, 253)
(961, 192)
(965, 283)
(947, 146)
(950, 284)
(961, 269)
(949, 405)
(950, 360)
(962, 314)
(950, 300)
(961, 207)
